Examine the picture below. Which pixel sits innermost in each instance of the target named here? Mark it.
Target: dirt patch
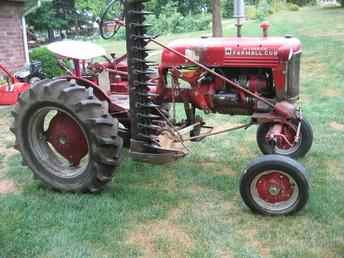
(213, 167)
(225, 254)
(251, 234)
(324, 34)
(331, 93)
(7, 151)
(225, 126)
(7, 186)
(334, 169)
(245, 151)
(195, 189)
(314, 68)
(6, 137)
(337, 126)
(222, 207)
(148, 236)
(328, 254)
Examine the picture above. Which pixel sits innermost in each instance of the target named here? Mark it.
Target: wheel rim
(282, 145)
(274, 190)
(58, 142)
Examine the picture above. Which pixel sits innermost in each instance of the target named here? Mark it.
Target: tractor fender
(98, 92)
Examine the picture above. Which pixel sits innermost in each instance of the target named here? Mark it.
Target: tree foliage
(45, 18)
(96, 7)
(56, 14)
(67, 14)
(170, 15)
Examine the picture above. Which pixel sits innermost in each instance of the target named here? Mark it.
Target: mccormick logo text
(251, 51)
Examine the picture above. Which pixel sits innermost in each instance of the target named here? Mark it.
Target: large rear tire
(66, 136)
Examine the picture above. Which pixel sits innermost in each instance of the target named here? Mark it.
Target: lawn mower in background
(12, 85)
(32, 74)
(71, 130)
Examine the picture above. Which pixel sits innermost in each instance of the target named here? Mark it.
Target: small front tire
(297, 150)
(275, 185)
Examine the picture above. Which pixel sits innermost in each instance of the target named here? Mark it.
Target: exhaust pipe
(239, 14)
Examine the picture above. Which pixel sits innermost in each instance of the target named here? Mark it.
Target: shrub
(263, 10)
(174, 22)
(170, 20)
(279, 5)
(49, 62)
(196, 22)
(251, 11)
(227, 8)
(121, 34)
(302, 2)
(293, 7)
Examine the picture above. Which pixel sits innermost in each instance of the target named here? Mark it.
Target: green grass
(192, 208)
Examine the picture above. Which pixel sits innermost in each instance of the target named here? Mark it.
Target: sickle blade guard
(147, 123)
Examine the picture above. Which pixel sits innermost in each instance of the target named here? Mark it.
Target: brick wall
(12, 52)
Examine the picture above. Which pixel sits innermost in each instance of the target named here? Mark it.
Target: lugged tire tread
(106, 146)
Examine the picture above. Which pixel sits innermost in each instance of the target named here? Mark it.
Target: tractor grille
(293, 77)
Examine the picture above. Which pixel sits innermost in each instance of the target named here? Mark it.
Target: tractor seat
(73, 49)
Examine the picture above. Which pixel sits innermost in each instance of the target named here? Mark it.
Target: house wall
(12, 53)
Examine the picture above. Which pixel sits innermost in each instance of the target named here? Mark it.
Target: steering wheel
(112, 19)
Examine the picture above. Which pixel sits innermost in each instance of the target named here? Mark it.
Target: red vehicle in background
(13, 84)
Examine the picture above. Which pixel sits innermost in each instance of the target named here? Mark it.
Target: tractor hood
(233, 51)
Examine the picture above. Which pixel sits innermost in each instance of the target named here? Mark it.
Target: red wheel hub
(67, 138)
(274, 187)
(287, 138)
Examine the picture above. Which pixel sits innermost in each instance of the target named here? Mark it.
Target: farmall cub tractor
(71, 131)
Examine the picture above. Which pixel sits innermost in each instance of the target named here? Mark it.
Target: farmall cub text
(71, 130)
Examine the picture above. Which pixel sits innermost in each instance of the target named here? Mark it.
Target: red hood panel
(230, 51)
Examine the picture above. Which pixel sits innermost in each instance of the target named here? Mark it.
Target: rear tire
(275, 185)
(96, 126)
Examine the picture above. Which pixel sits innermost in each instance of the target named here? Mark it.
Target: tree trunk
(217, 22)
(51, 35)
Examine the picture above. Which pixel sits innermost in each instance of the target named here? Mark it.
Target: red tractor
(71, 130)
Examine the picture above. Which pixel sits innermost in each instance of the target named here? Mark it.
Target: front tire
(297, 150)
(66, 136)
(275, 185)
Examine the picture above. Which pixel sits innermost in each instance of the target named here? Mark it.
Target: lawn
(192, 208)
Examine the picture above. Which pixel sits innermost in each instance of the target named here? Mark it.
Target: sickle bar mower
(147, 121)
(133, 101)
